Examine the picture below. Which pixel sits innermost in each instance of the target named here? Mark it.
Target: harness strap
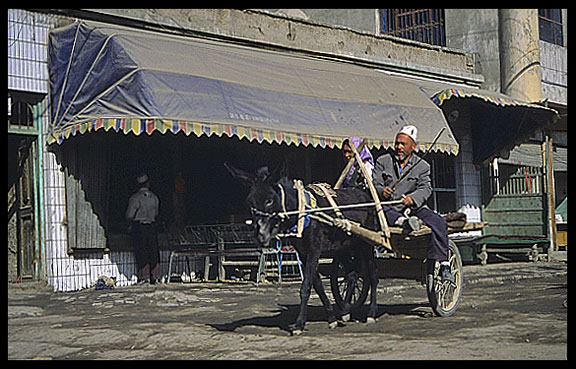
(282, 198)
(305, 200)
(299, 186)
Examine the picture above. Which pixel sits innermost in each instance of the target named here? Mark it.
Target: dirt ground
(517, 314)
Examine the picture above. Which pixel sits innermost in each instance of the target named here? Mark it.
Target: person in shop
(142, 212)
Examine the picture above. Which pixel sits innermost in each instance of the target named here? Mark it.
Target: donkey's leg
(310, 268)
(319, 288)
(373, 278)
(351, 280)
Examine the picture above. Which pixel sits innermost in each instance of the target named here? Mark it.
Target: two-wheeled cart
(398, 254)
(406, 259)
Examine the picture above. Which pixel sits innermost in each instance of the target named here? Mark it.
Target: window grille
(443, 198)
(424, 25)
(21, 106)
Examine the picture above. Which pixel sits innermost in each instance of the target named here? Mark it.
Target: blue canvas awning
(116, 78)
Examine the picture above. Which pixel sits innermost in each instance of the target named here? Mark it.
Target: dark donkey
(270, 195)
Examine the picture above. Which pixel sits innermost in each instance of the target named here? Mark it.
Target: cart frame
(348, 285)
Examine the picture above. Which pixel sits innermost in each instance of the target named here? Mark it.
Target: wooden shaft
(348, 166)
(374, 193)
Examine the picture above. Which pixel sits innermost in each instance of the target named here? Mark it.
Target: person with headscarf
(354, 176)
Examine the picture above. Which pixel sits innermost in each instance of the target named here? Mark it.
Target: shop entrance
(22, 258)
(186, 172)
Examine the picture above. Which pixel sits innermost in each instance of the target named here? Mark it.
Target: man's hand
(407, 200)
(388, 192)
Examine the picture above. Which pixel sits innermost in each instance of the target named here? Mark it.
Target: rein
(307, 205)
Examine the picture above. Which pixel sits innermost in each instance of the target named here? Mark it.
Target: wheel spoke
(445, 295)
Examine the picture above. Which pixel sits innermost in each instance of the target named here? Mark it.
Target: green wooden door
(25, 194)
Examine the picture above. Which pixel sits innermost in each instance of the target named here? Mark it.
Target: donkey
(270, 195)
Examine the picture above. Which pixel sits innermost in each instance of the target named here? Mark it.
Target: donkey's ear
(278, 173)
(245, 178)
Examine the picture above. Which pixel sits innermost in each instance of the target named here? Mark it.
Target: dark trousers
(145, 242)
(438, 246)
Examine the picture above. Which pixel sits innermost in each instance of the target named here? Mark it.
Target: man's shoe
(413, 224)
(446, 273)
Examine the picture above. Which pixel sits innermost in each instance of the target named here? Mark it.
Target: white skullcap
(141, 179)
(411, 131)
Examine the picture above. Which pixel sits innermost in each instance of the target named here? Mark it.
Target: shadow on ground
(287, 314)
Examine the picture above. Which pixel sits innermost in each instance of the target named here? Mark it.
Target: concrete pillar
(520, 74)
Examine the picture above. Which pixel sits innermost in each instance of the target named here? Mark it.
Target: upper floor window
(21, 107)
(550, 25)
(424, 25)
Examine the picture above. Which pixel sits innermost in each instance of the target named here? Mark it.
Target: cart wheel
(344, 279)
(444, 296)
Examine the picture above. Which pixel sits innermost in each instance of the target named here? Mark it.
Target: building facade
(66, 200)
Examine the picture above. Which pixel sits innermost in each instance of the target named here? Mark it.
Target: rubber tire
(338, 285)
(434, 286)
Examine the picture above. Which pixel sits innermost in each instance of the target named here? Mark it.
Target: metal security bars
(424, 25)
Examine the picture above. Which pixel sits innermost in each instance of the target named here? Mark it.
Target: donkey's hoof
(370, 320)
(333, 325)
(346, 317)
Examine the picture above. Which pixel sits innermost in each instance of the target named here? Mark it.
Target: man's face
(403, 146)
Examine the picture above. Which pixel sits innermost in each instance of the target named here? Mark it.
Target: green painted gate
(515, 201)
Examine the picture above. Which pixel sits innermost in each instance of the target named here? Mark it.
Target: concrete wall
(476, 31)
(358, 19)
(554, 66)
(385, 52)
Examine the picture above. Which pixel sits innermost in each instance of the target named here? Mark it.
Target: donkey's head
(265, 199)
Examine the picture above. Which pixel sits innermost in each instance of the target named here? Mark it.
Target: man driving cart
(402, 175)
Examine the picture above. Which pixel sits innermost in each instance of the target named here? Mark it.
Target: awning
(106, 77)
(499, 122)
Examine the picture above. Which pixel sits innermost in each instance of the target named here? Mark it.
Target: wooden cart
(406, 260)
(399, 255)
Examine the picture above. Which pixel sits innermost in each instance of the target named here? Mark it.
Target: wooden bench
(531, 246)
(220, 242)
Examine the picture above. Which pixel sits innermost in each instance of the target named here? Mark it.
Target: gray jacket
(417, 183)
